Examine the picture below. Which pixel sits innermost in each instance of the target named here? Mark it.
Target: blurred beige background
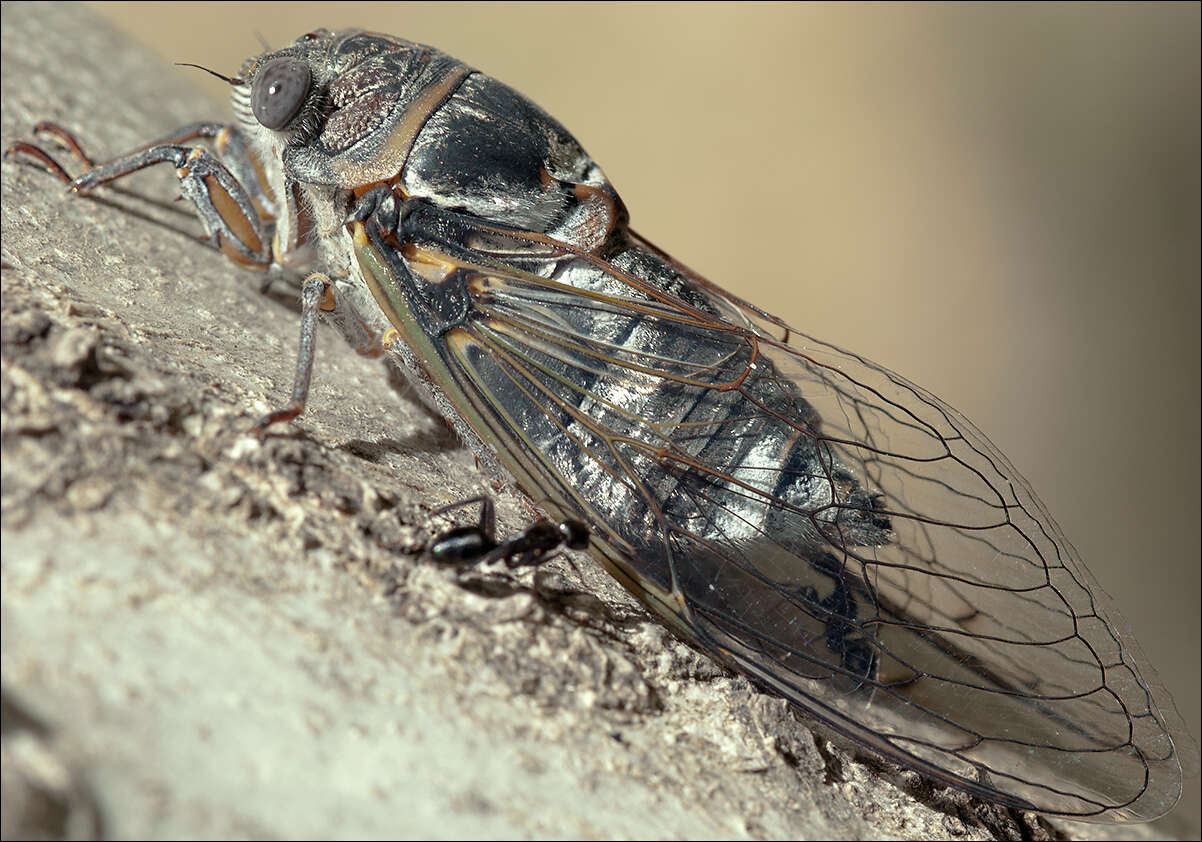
(1001, 203)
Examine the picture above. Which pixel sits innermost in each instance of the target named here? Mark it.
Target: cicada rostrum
(831, 530)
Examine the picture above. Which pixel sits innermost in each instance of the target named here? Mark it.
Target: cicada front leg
(223, 185)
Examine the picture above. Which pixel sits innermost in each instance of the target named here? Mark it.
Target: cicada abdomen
(833, 531)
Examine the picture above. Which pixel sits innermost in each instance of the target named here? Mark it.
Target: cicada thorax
(384, 111)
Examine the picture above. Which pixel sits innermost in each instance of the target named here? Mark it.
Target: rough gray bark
(209, 636)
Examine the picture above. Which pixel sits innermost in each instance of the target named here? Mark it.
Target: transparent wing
(837, 533)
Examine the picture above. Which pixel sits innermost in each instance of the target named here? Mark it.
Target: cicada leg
(224, 186)
(317, 295)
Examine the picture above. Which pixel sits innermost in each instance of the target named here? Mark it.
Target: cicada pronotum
(831, 530)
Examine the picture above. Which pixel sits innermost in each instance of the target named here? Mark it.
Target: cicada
(836, 533)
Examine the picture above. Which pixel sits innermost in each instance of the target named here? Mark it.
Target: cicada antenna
(234, 81)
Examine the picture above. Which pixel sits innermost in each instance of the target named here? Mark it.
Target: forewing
(839, 534)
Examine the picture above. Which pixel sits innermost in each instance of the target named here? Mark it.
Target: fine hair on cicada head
(833, 531)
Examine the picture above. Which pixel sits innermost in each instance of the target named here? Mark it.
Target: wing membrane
(839, 534)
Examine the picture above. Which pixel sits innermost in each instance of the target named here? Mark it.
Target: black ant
(477, 543)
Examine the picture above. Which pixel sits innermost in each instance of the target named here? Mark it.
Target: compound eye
(279, 91)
